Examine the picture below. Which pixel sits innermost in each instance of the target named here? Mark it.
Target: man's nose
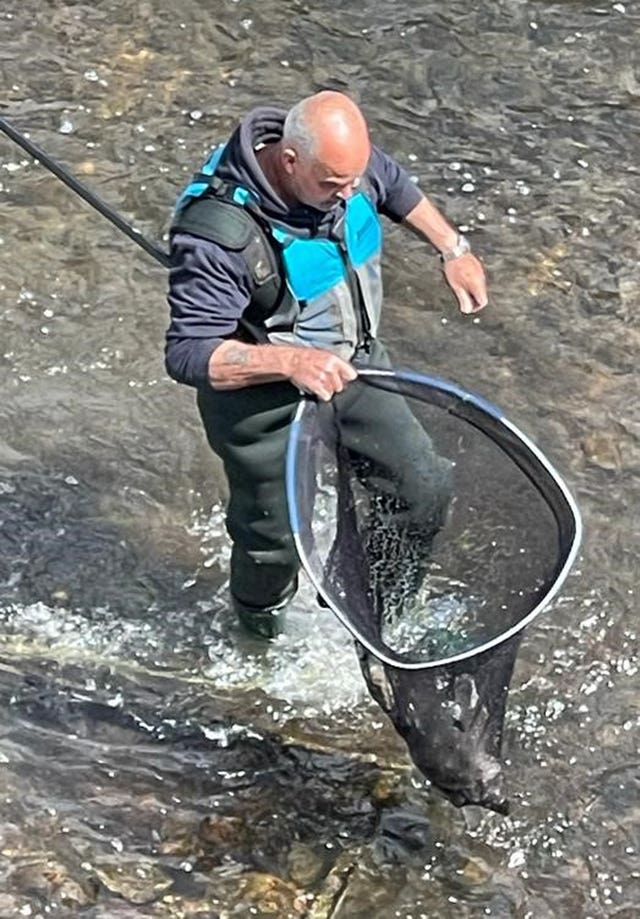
(345, 193)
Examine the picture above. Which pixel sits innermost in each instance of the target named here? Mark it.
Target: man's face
(316, 186)
(322, 185)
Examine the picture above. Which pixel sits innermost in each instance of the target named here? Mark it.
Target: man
(274, 289)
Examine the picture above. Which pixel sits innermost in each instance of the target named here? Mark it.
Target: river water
(153, 761)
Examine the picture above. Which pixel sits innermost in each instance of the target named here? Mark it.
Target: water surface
(154, 762)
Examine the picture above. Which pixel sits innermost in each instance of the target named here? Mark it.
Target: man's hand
(235, 364)
(465, 274)
(319, 372)
(467, 279)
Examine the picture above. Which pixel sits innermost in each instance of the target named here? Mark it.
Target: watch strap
(461, 247)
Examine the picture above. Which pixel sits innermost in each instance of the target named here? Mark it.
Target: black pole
(89, 196)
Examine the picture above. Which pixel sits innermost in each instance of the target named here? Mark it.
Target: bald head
(324, 149)
(327, 126)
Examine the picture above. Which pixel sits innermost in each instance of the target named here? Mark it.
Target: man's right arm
(235, 364)
(209, 289)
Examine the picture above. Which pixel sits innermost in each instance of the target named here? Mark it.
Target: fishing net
(436, 532)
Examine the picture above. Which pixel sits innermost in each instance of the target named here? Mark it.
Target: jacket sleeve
(396, 195)
(208, 292)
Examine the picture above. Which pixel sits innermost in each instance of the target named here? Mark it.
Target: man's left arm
(464, 272)
(401, 200)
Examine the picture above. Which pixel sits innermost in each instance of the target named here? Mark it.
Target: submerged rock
(50, 881)
(401, 835)
(306, 866)
(137, 882)
(270, 896)
(602, 450)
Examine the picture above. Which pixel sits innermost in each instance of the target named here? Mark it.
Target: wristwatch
(461, 247)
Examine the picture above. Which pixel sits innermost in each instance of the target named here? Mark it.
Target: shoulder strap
(220, 221)
(232, 227)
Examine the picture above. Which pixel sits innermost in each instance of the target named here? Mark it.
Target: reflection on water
(440, 623)
(153, 761)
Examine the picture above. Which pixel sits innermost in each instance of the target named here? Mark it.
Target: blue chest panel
(363, 230)
(314, 266)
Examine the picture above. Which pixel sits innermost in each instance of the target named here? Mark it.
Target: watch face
(460, 248)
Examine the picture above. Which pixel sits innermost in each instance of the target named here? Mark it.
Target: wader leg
(395, 451)
(408, 482)
(248, 429)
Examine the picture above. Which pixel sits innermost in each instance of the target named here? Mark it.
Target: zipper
(363, 325)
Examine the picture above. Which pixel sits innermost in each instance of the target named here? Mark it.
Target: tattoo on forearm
(237, 356)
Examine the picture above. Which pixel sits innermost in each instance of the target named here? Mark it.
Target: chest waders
(323, 291)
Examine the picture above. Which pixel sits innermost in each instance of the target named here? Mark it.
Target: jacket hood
(239, 166)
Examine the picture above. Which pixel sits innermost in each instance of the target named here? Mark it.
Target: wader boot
(266, 622)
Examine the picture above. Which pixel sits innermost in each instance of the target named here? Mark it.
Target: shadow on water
(162, 796)
(127, 785)
(130, 704)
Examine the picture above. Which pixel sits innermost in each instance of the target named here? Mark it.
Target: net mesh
(435, 532)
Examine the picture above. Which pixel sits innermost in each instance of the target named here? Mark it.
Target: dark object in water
(451, 718)
(435, 539)
(402, 835)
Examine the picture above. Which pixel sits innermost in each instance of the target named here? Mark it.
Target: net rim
(370, 374)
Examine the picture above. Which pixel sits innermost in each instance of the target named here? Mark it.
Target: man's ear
(289, 159)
